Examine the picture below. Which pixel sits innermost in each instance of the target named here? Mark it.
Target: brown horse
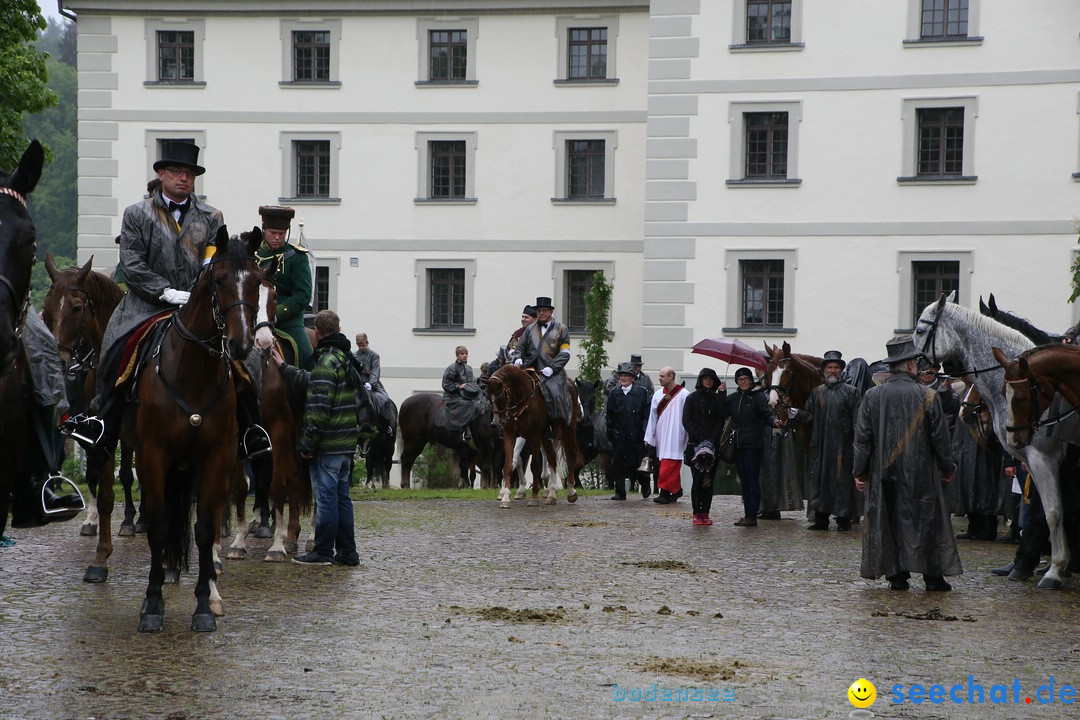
(518, 407)
(416, 428)
(1030, 384)
(76, 310)
(17, 249)
(183, 424)
(789, 379)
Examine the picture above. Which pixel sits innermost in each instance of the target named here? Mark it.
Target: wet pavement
(463, 610)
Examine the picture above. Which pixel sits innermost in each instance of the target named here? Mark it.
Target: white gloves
(792, 412)
(176, 297)
(518, 362)
(547, 372)
(367, 386)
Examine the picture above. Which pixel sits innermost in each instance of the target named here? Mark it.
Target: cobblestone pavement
(463, 610)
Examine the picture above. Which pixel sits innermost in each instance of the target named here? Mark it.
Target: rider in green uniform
(292, 279)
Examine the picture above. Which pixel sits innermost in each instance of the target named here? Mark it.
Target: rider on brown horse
(545, 347)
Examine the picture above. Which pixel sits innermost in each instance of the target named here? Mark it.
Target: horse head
(18, 244)
(71, 313)
(973, 411)
(1027, 396)
(587, 395)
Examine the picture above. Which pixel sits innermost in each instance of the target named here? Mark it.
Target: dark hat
(183, 154)
(529, 310)
(744, 371)
(900, 348)
(471, 391)
(625, 369)
(543, 302)
(636, 360)
(833, 356)
(276, 217)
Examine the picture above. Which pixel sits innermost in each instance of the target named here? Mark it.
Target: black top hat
(529, 310)
(833, 356)
(625, 369)
(900, 348)
(636, 360)
(543, 302)
(182, 154)
(276, 217)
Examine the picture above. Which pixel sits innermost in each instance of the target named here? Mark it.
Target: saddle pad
(129, 359)
(286, 345)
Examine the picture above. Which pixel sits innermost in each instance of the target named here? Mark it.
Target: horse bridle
(1035, 413)
(512, 412)
(82, 354)
(931, 343)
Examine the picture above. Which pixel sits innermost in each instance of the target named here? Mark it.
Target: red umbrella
(731, 351)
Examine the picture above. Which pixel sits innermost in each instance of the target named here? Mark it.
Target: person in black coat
(703, 417)
(627, 413)
(753, 418)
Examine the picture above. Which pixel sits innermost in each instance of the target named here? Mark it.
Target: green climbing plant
(593, 357)
(1075, 276)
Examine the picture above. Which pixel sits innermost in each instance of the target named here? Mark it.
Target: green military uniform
(292, 280)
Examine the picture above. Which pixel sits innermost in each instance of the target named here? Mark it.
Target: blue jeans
(334, 524)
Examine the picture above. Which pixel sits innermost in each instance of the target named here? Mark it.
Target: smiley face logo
(862, 693)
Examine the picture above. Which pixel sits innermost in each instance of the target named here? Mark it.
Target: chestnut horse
(518, 407)
(789, 379)
(76, 310)
(1030, 384)
(183, 424)
(17, 249)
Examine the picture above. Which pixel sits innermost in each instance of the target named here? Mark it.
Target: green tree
(593, 357)
(1075, 277)
(23, 76)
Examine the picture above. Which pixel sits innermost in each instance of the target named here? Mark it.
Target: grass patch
(443, 494)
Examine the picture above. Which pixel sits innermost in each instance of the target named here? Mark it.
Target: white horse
(950, 332)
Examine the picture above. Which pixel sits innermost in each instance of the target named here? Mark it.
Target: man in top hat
(292, 279)
(831, 411)
(640, 376)
(163, 245)
(627, 414)
(902, 457)
(545, 347)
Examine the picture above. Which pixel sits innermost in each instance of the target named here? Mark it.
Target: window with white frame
(939, 140)
(156, 138)
(586, 53)
(764, 143)
(924, 275)
(310, 50)
(937, 22)
(447, 169)
(573, 280)
(585, 166)
(444, 296)
(324, 285)
(760, 291)
(174, 52)
(310, 167)
(767, 25)
(447, 51)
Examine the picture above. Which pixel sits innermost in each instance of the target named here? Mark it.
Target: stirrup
(61, 498)
(256, 442)
(87, 429)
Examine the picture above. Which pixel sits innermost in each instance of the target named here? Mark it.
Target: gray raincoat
(458, 410)
(902, 443)
(553, 351)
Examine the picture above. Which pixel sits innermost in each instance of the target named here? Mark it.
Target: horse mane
(103, 287)
(1021, 325)
(989, 325)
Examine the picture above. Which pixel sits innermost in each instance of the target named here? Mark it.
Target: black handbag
(726, 449)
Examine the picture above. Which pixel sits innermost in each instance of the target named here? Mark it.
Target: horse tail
(177, 517)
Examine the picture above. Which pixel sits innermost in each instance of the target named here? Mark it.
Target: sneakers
(256, 442)
(313, 558)
(348, 562)
(86, 429)
(697, 519)
(702, 519)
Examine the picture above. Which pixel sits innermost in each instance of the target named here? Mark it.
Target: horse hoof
(550, 501)
(140, 528)
(1020, 575)
(217, 607)
(96, 574)
(253, 526)
(520, 495)
(532, 502)
(275, 556)
(236, 554)
(1049, 583)
(571, 498)
(263, 532)
(504, 504)
(218, 568)
(172, 576)
(88, 530)
(203, 622)
(151, 623)
(310, 545)
(291, 547)
(127, 530)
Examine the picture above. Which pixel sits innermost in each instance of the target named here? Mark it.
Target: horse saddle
(137, 348)
(286, 346)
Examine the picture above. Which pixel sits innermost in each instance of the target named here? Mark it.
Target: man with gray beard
(831, 410)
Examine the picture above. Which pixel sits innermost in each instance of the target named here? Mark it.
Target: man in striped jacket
(328, 440)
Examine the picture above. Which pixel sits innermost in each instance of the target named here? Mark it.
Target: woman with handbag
(703, 418)
(752, 417)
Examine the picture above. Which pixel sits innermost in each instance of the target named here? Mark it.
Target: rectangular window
(577, 283)
(312, 168)
(448, 55)
(762, 293)
(588, 53)
(446, 288)
(768, 21)
(941, 142)
(311, 56)
(176, 55)
(766, 145)
(322, 288)
(448, 171)
(944, 19)
(585, 168)
(929, 279)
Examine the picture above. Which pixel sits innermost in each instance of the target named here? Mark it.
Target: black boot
(974, 525)
(821, 521)
(87, 430)
(988, 530)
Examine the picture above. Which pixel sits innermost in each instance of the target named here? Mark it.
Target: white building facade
(816, 171)
(450, 161)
